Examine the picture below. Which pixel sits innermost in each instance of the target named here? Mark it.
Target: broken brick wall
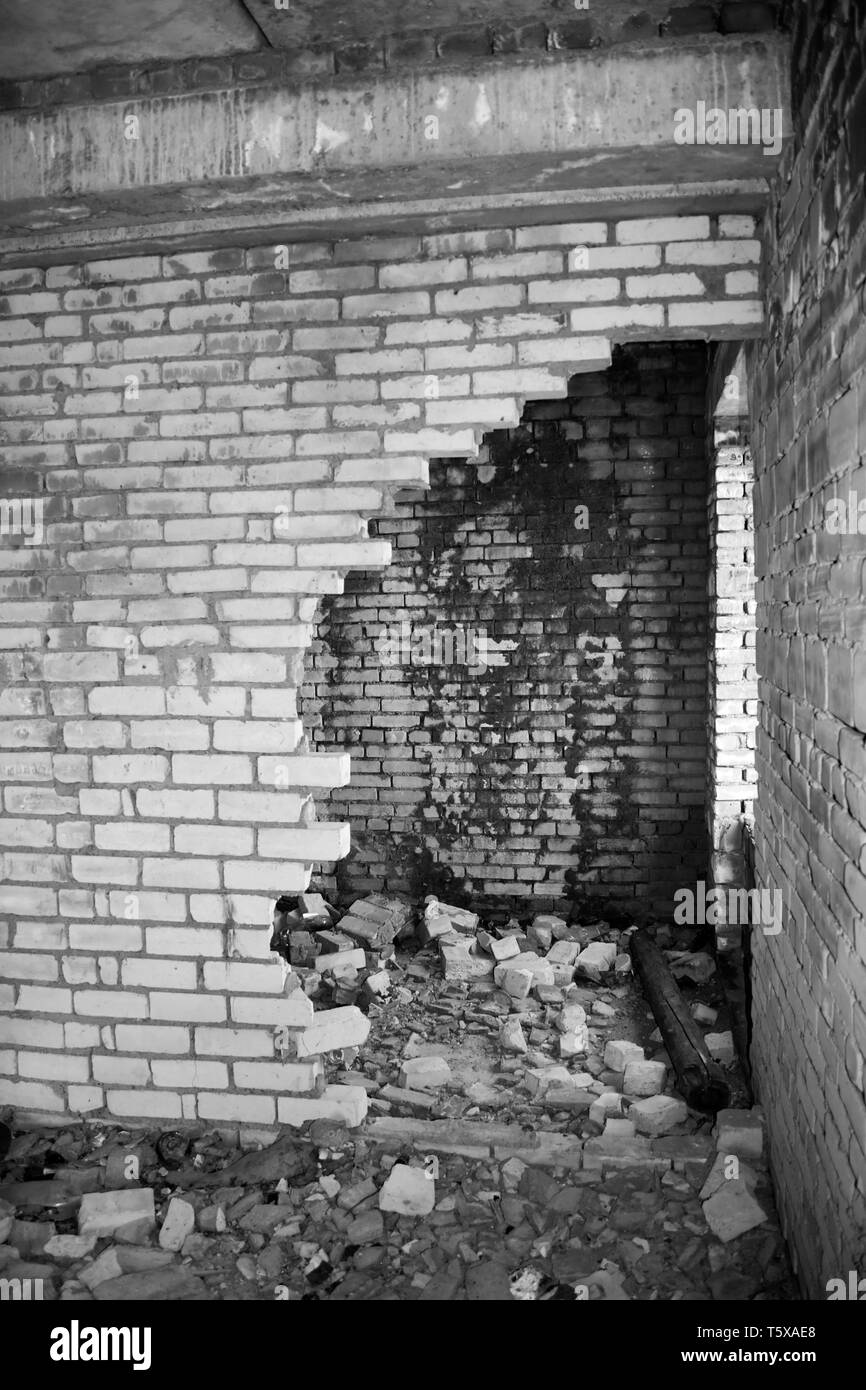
(193, 447)
(523, 692)
(809, 981)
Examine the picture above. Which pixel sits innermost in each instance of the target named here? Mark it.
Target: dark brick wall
(810, 435)
(378, 38)
(576, 759)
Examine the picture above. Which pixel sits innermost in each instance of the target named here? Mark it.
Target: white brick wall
(209, 472)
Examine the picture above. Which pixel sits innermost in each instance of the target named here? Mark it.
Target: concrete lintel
(561, 124)
(262, 224)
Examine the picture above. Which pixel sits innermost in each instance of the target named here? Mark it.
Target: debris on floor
(480, 1110)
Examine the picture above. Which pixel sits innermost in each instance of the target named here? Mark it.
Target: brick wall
(192, 449)
(732, 684)
(810, 437)
(523, 693)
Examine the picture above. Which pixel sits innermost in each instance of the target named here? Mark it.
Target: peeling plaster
(327, 139)
(482, 114)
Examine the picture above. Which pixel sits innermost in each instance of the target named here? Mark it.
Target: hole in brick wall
(524, 690)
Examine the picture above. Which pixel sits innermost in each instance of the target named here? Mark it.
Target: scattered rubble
(473, 1110)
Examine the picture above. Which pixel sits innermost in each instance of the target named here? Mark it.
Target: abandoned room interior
(433, 651)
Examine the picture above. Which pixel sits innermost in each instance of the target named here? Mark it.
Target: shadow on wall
(523, 690)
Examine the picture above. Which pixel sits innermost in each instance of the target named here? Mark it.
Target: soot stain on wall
(502, 687)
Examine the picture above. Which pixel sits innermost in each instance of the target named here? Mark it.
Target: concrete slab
(583, 127)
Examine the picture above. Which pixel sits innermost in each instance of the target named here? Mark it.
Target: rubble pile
(344, 966)
(412, 1209)
(493, 1119)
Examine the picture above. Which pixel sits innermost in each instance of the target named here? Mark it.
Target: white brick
(161, 974)
(351, 554)
(95, 733)
(109, 936)
(31, 1095)
(162, 1105)
(126, 700)
(109, 1003)
(587, 290)
(281, 807)
(332, 1029)
(518, 266)
(81, 970)
(579, 354)
(179, 873)
(562, 234)
(714, 253)
(251, 979)
(158, 906)
(213, 768)
(84, 1099)
(191, 1008)
(28, 901)
(278, 1076)
(146, 1038)
(235, 1042)
(175, 805)
(110, 869)
(491, 414)
(662, 286)
(79, 666)
(410, 471)
(19, 966)
(41, 936)
(257, 736)
(617, 316)
(99, 801)
(244, 1109)
(184, 941)
(213, 1075)
(213, 840)
(211, 907)
(715, 315)
(184, 734)
(47, 1066)
(645, 229)
(741, 282)
(138, 835)
(81, 1035)
(347, 1103)
(623, 257)
(133, 767)
(322, 841)
(296, 1011)
(121, 1071)
(217, 704)
(305, 770)
(31, 1032)
(735, 225)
